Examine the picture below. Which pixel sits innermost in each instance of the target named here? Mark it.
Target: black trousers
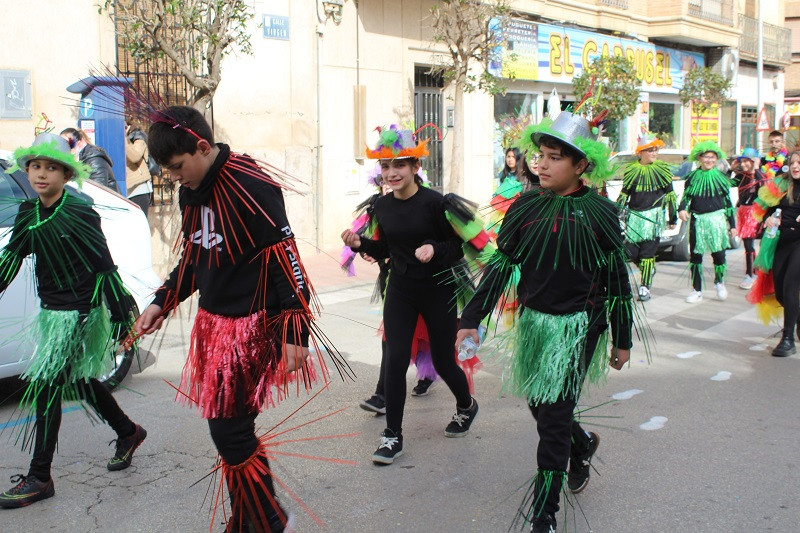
(749, 255)
(696, 262)
(406, 299)
(639, 251)
(560, 435)
(786, 274)
(48, 421)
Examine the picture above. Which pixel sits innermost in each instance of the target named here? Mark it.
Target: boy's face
(190, 169)
(648, 156)
(558, 172)
(47, 178)
(776, 142)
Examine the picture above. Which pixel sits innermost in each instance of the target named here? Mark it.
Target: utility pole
(760, 73)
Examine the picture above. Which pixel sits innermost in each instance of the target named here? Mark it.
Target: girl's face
(533, 163)
(398, 174)
(511, 161)
(708, 160)
(648, 156)
(794, 166)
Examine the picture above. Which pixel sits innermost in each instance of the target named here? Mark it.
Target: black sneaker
(581, 465)
(125, 448)
(28, 489)
(423, 387)
(376, 404)
(546, 523)
(462, 420)
(391, 447)
(785, 348)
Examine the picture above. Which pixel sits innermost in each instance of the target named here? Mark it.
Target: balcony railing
(777, 41)
(719, 11)
(619, 4)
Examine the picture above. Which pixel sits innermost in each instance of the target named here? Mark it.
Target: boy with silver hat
(84, 309)
(566, 244)
(647, 194)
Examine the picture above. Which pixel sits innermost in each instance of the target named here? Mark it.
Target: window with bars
(428, 110)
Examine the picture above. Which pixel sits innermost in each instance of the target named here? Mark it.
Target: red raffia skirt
(746, 225)
(235, 365)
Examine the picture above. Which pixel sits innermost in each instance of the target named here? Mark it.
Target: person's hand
(734, 232)
(770, 222)
(351, 239)
(294, 356)
(149, 321)
(424, 253)
(684, 215)
(619, 357)
(464, 333)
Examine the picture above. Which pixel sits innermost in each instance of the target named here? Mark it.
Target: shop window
(749, 133)
(665, 122)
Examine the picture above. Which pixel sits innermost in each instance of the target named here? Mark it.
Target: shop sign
(709, 126)
(561, 54)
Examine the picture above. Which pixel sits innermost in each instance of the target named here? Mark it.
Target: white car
(128, 236)
(674, 243)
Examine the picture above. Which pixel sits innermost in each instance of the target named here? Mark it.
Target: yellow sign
(708, 124)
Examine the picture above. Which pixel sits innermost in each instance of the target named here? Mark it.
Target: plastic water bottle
(771, 232)
(468, 347)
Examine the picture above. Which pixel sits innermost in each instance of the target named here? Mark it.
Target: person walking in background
(513, 158)
(95, 157)
(748, 178)
(775, 161)
(138, 180)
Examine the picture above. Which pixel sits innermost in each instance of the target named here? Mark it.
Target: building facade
(324, 73)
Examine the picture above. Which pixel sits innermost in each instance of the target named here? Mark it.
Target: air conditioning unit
(725, 61)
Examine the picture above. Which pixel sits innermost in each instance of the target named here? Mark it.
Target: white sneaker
(747, 282)
(644, 293)
(722, 292)
(694, 297)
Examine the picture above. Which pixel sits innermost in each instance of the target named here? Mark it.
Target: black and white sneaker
(391, 447)
(580, 466)
(423, 387)
(462, 420)
(546, 523)
(376, 404)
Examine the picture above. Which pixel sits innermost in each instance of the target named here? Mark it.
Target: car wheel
(120, 365)
(680, 251)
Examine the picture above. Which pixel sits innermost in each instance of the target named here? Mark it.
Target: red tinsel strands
(289, 259)
(746, 225)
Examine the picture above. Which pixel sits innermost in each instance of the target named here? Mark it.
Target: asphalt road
(702, 439)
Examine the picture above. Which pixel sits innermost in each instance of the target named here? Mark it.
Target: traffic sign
(763, 123)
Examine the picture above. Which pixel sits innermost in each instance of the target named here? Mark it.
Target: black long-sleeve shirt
(748, 186)
(405, 225)
(70, 251)
(229, 223)
(559, 273)
(712, 198)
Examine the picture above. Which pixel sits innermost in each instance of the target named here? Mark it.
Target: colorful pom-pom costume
(648, 202)
(569, 253)
(84, 307)
(706, 197)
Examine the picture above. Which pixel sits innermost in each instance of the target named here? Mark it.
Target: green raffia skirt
(644, 225)
(70, 348)
(711, 232)
(547, 362)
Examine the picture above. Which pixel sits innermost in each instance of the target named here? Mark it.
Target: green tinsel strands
(719, 273)
(648, 269)
(644, 225)
(69, 347)
(670, 200)
(539, 488)
(711, 232)
(10, 264)
(547, 356)
(766, 253)
(642, 178)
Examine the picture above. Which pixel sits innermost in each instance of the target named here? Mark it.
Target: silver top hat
(567, 128)
(61, 145)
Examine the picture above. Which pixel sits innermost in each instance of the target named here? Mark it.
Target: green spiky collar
(643, 178)
(707, 183)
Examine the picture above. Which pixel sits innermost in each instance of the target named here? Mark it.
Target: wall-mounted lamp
(333, 9)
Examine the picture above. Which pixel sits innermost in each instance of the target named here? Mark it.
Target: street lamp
(333, 9)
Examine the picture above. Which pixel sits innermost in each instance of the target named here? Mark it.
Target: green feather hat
(703, 147)
(580, 135)
(53, 148)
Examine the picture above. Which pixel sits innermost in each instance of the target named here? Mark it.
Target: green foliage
(703, 89)
(615, 87)
(195, 34)
(472, 31)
